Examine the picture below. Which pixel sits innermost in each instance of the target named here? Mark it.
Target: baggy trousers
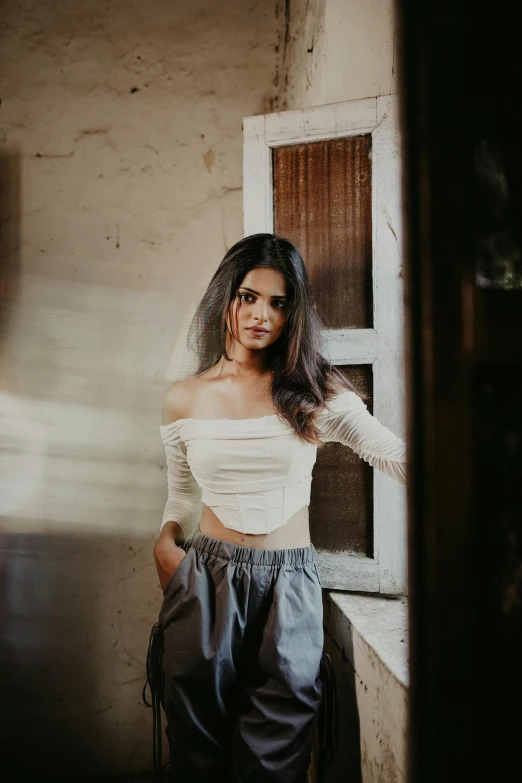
(243, 638)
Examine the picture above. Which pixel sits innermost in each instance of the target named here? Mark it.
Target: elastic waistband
(254, 556)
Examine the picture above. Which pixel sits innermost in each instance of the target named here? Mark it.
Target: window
(329, 179)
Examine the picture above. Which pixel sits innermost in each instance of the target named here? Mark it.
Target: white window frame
(381, 346)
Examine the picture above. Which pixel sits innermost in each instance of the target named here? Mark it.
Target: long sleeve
(349, 421)
(184, 504)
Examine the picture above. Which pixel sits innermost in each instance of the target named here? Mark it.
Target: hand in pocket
(167, 556)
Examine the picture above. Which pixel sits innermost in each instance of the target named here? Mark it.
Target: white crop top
(256, 473)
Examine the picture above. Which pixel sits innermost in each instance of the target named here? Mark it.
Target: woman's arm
(183, 507)
(349, 421)
(167, 554)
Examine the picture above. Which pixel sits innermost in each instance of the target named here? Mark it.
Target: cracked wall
(121, 165)
(336, 50)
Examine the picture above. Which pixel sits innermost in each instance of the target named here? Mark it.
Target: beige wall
(128, 201)
(120, 130)
(338, 50)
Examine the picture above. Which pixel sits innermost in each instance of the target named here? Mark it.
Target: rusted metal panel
(323, 203)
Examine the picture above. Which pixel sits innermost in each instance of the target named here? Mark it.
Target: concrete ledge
(366, 637)
(382, 623)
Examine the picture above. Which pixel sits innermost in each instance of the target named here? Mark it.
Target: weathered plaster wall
(367, 641)
(337, 50)
(120, 166)
(121, 156)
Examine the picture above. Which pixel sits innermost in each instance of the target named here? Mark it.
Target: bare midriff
(293, 534)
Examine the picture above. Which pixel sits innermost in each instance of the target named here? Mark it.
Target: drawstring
(155, 680)
(328, 717)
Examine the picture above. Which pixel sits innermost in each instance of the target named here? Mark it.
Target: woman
(242, 612)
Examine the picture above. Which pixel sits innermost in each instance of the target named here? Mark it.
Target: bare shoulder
(177, 400)
(182, 397)
(190, 394)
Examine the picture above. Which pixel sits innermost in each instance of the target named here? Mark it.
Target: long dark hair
(303, 379)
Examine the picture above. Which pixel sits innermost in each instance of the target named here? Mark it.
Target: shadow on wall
(74, 611)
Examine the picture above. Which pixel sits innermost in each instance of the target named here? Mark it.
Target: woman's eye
(277, 303)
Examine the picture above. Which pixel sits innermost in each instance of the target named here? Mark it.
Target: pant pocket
(176, 588)
(178, 571)
(317, 575)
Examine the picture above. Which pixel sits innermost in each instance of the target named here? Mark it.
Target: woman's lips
(256, 331)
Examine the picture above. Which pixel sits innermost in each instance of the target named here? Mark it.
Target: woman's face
(258, 313)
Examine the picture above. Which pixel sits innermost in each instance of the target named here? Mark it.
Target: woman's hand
(167, 554)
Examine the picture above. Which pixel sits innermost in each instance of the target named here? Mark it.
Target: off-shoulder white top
(256, 473)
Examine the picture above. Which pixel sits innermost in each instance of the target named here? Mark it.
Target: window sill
(381, 623)
(366, 638)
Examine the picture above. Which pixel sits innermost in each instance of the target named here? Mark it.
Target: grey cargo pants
(243, 638)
